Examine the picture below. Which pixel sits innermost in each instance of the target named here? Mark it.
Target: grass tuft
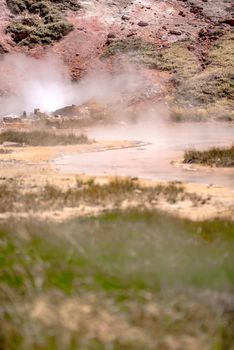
(219, 157)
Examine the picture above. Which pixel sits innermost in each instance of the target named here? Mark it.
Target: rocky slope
(184, 47)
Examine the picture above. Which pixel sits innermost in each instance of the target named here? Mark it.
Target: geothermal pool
(158, 155)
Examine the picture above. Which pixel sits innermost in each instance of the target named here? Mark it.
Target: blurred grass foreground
(132, 280)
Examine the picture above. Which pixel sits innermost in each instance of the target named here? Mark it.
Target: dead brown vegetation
(42, 138)
(220, 157)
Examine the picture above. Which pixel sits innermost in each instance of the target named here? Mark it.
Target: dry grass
(16, 198)
(219, 157)
(42, 138)
(209, 94)
(221, 110)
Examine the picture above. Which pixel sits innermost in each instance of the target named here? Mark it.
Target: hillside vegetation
(212, 89)
(40, 22)
(199, 92)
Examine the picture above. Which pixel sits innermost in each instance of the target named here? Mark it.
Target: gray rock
(125, 18)
(143, 24)
(175, 32)
(111, 36)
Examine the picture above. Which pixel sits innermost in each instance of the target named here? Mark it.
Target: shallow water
(162, 143)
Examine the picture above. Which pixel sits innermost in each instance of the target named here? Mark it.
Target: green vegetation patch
(199, 94)
(129, 45)
(42, 7)
(180, 60)
(177, 58)
(113, 250)
(113, 281)
(222, 52)
(42, 22)
(207, 87)
(208, 93)
(42, 138)
(213, 87)
(220, 157)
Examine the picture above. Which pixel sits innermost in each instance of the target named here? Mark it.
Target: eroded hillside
(186, 47)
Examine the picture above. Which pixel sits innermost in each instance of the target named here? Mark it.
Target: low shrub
(43, 21)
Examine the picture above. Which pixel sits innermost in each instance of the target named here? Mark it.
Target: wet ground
(160, 155)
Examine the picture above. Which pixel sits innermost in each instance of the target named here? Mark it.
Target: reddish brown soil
(99, 22)
(167, 21)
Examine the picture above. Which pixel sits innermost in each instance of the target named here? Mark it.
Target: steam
(27, 83)
(31, 83)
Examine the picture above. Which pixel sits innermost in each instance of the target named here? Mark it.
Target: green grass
(136, 250)
(113, 281)
(43, 22)
(42, 138)
(220, 157)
